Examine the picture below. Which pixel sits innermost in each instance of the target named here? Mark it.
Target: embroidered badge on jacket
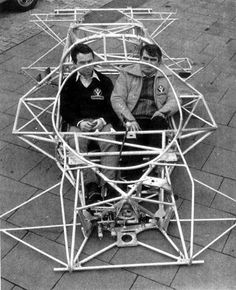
(161, 89)
(97, 94)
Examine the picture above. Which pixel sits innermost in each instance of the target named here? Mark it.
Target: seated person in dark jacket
(86, 107)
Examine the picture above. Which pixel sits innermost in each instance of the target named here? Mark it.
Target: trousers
(107, 160)
(153, 140)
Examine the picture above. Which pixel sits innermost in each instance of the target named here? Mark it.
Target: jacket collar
(135, 70)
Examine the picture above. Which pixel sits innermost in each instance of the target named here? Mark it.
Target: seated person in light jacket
(142, 97)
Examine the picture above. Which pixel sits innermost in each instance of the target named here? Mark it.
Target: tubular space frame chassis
(167, 158)
(133, 21)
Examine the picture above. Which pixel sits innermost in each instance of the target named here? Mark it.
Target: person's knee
(109, 145)
(82, 142)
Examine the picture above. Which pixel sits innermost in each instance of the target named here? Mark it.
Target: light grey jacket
(128, 87)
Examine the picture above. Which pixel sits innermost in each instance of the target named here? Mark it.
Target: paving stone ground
(206, 33)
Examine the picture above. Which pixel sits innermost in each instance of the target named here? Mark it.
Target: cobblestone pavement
(206, 33)
(15, 27)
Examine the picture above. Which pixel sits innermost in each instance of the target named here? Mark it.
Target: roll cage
(148, 203)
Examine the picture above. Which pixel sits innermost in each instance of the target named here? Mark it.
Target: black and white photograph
(118, 144)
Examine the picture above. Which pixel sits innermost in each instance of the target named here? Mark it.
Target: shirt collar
(149, 76)
(94, 75)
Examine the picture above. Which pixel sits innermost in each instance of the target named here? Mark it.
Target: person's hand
(98, 124)
(158, 114)
(86, 126)
(132, 126)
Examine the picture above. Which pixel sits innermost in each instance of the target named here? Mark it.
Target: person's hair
(152, 49)
(80, 48)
